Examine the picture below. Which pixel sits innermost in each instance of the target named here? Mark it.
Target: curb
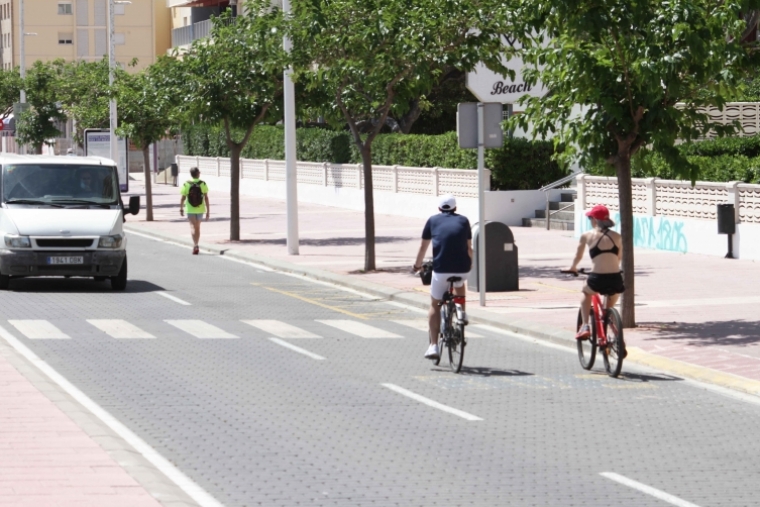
(530, 329)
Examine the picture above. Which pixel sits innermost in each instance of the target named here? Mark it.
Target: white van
(62, 216)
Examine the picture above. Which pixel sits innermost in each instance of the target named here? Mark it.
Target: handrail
(559, 182)
(554, 212)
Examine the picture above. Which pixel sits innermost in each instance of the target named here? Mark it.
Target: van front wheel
(119, 282)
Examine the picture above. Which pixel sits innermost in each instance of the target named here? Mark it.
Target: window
(65, 38)
(65, 8)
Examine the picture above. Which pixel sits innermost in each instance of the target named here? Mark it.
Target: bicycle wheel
(442, 335)
(614, 352)
(587, 347)
(455, 346)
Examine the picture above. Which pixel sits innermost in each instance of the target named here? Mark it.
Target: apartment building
(191, 19)
(78, 30)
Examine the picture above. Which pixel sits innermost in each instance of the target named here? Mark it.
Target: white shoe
(432, 352)
(463, 318)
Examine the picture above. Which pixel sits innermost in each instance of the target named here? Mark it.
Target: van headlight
(12, 241)
(110, 241)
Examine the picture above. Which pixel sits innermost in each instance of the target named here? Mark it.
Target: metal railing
(187, 34)
(545, 189)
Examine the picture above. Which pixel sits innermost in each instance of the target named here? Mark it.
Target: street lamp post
(111, 66)
(291, 171)
(22, 61)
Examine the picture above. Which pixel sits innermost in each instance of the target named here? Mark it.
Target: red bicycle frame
(598, 308)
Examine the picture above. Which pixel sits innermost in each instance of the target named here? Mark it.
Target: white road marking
(200, 329)
(359, 329)
(119, 328)
(281, 329)
(649, 490)
(297, 349)
(174, 298)
(432, 403)
(187, 485)
(422, 325)
(39, 330)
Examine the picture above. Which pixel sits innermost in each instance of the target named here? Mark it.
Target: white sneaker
(463, 318)
(432, 352)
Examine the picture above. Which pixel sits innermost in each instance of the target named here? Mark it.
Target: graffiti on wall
(657, 233)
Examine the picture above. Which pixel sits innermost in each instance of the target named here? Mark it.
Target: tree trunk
(148, 182)
(235, 151)
(623, 170)
(405, 122)
(369, 210)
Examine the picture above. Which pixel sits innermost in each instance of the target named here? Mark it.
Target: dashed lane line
(292, 347)
(649, 490)
(174, 298)
(432, 403)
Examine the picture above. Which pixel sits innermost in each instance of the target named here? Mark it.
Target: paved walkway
(697, 309)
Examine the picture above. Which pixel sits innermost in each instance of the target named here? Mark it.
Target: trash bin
(726, 219)
(501, 259)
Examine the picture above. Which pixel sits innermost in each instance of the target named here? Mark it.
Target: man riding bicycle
(452, 256)
(606, 251)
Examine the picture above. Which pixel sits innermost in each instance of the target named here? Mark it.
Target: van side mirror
(134, 205)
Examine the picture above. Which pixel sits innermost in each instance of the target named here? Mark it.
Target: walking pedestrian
(195, 203)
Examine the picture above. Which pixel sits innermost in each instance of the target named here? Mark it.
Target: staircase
(562, 220)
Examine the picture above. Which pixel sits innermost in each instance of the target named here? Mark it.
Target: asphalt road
(339, 420)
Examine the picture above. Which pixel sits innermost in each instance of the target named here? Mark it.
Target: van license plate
(66, 260)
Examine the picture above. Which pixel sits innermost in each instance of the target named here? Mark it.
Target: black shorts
(606, 283)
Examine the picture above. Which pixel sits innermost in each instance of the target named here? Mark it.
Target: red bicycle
(606, 335)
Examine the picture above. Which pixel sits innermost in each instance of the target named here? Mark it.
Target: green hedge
(725, 159)
(519, 165)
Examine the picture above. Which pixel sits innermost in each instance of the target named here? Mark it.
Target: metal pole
(111, 66)
(291, 170)
(548, 210)
(22, 61)
(481, 205)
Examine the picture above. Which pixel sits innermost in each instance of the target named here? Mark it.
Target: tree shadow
(78, 286)
(476, 371)
(553, 272)
(703, 334)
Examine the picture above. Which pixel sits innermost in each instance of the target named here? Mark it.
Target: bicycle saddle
(454, 279)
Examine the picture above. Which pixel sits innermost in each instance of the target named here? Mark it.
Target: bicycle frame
(598, 307)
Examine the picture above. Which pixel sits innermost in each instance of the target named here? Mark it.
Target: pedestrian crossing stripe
(359, 329)
(422, 325)
(200, 329)
(39, 330)
(280, 329)
(120, 329)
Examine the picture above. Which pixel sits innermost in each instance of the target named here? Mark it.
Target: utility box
(501, 259)
(726, 219)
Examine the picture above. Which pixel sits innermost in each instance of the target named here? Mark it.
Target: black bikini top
(595, 250)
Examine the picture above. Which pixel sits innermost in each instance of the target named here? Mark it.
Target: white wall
(675, 234)
(509, 207)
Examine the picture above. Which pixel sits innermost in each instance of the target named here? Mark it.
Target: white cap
(447, 203)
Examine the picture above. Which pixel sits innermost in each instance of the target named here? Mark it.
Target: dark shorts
(606, 284)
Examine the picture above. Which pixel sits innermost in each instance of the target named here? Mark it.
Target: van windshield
(60, 184)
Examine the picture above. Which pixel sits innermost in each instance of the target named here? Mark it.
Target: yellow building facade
(78, 30)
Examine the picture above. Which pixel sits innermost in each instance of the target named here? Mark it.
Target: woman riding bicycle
(606, 251)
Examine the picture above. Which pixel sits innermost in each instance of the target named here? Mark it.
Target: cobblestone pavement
(267, 389)
(693, 308)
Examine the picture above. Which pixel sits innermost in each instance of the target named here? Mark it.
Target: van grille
(64, 243)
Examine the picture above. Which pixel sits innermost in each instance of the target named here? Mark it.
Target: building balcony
(187, 34)
(195, 3)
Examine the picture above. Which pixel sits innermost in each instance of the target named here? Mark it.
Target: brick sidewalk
(46, 460)
(693, 308)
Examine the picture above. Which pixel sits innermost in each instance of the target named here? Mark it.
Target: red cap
(600, 212)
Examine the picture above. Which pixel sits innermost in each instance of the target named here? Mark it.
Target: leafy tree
(10, 90)
(37, 125)
(376, 56)
(84, 94)
(147, 112)
(640, 71)
(234, 78)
